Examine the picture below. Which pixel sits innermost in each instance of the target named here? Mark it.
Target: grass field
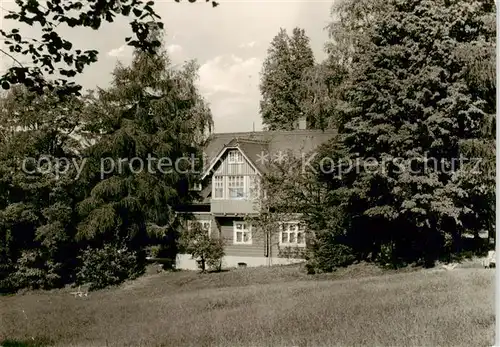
(359, 306)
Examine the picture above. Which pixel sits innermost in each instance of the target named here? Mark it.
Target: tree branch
(10, 56)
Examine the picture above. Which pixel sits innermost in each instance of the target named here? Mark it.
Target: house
(234, 163)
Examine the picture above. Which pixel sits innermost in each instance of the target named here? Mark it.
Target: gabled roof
(253, 150)
(250, 149)
(254, 144)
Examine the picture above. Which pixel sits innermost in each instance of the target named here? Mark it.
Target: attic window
(235, 157)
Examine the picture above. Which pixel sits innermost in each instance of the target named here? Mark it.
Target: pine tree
(281, 82)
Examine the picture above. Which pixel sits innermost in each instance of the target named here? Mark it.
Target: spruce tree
(151, 110)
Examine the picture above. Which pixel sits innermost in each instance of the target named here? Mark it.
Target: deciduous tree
(52, 54)
(411, 107)
(39, 193)
(281, 82)
(206, 250)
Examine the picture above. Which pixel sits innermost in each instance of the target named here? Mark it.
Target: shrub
(291, 252)
(154, 251)
(7, 283)
(35, 342)
(386, 257)
(34, 271)
(326, 253)
(214, 254)
(109, 265)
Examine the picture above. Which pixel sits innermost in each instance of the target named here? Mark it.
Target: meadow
(279, 306)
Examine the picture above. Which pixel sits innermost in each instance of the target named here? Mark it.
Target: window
(242, 233)
(292, 234)
(218, 184)
(195, 187)
(205, 225)
(236, 187)
(235, 157)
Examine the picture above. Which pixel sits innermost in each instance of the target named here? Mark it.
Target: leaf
(137, 12)
(67, 45)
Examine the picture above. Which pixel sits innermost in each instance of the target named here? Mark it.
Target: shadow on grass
(217, 271)
(38, 342)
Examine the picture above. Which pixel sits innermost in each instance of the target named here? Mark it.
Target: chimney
(302, 123)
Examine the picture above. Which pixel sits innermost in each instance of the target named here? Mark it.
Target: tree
(207, 250)
(64, 215)
(287, 192)
(479, 58)
(277, 198)
(39, 193)
(411, 107)
(322, 86)
(281, 81)
(52, 54)
(351, 22)
(151, 122)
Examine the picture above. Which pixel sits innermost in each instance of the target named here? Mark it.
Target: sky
(229, 42)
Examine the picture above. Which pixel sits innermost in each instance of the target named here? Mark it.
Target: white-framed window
(205, 224)
(196, 187)
(218, 187)
(242, 233)
(236, 187)
(234, 157)
(292, 234)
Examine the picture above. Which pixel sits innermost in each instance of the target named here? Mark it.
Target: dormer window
(235, 157)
